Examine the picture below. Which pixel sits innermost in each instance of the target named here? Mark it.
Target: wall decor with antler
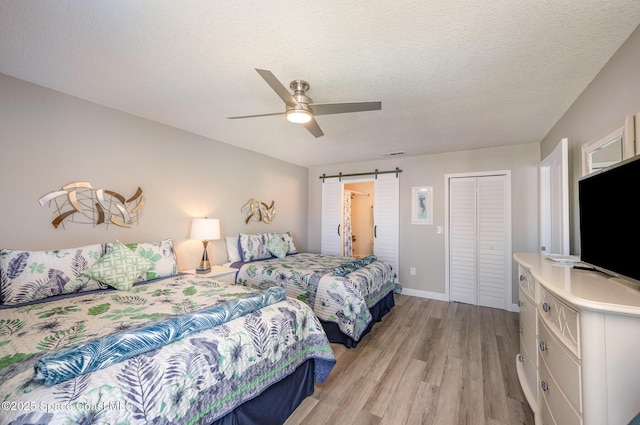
(259, 211)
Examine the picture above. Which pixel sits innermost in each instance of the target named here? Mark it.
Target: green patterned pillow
(277, 247)
(161, 254)
(120, 268)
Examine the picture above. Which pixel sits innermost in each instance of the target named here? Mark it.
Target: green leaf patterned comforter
(196, 379)
(344, 300)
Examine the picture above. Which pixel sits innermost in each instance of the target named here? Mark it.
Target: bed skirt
(377, 311)
(275, 404)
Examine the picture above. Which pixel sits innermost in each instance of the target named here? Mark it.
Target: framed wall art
(422, 205)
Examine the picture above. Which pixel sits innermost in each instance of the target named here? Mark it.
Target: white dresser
(579, 360)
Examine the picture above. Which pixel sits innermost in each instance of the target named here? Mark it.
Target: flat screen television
(610, 219)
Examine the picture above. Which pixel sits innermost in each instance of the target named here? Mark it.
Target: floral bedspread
(196, 379)
(344, 300)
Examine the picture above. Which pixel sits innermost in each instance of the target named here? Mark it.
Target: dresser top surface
(583, 288)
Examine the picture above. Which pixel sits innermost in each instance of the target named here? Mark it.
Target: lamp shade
(205, 229)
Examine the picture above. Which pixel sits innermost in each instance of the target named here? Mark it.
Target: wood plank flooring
(428, 362)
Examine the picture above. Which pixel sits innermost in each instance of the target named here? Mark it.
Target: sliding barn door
(330, 238)
(479, 241)
(386, 219)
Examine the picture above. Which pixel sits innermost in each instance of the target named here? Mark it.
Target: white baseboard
(425, 294)
(440, 297)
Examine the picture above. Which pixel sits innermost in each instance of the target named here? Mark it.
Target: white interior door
(492, 243)
(479, 235)
(386, 219)
(463, 242)
(554, 201)
(331, 235)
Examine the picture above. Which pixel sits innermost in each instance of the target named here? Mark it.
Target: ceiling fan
(301, 109)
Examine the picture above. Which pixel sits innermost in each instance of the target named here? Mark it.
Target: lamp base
(203, 271)
(204, 266)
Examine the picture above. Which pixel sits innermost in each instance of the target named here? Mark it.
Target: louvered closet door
(463, 240)
(491, 241)
(477, 240)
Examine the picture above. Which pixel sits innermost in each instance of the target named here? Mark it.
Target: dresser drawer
(552, 399)
(527, 309)
(526, 282)
(562, 320)
(528, 339)
(545, 414)
(530, 368)
(562, 366)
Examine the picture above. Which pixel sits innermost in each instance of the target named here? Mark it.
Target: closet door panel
(491, 241)
(462, 240)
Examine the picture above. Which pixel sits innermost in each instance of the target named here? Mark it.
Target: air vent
(397, 153)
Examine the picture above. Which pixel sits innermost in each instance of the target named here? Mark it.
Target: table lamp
(205, 229)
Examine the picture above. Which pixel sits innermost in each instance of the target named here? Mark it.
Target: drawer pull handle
(520, 358)
(546, 307)
(544, 386)
(543, 346)
(521, 278)
(520, 330)
(520, 303)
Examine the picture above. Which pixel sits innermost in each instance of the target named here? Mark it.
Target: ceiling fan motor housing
(299, 88)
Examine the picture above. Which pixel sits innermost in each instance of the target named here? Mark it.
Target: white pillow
(232, 248)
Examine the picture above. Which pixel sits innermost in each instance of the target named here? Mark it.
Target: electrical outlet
(412, 271)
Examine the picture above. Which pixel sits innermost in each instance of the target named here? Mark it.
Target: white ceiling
(451, 75)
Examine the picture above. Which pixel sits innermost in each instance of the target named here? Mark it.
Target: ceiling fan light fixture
(298, 115)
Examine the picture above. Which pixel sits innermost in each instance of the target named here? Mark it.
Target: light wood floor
(427, 362)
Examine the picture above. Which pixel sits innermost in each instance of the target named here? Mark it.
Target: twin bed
(115, 334)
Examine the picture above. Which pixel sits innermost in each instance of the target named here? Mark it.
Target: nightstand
(225, 274)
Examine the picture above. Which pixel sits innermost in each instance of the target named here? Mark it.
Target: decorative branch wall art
(259, 211)
(80, 203)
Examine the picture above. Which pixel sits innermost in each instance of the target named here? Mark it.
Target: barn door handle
(375, 231)
(339, 229)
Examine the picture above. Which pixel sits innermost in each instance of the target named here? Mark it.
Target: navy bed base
(378, 310)
(275, 404)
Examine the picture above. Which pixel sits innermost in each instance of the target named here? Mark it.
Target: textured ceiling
(451, 75)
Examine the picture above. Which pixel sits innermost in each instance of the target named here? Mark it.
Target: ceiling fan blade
(277, 87)
(343, 108)
(313, 128)
(254, 116)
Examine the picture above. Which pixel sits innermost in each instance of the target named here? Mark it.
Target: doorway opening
(358, 210)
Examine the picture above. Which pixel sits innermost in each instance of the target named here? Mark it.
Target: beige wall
(600, 109)
(49, 139)
(420, 246)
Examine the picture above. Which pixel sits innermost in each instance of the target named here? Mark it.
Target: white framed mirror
(614, 147)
